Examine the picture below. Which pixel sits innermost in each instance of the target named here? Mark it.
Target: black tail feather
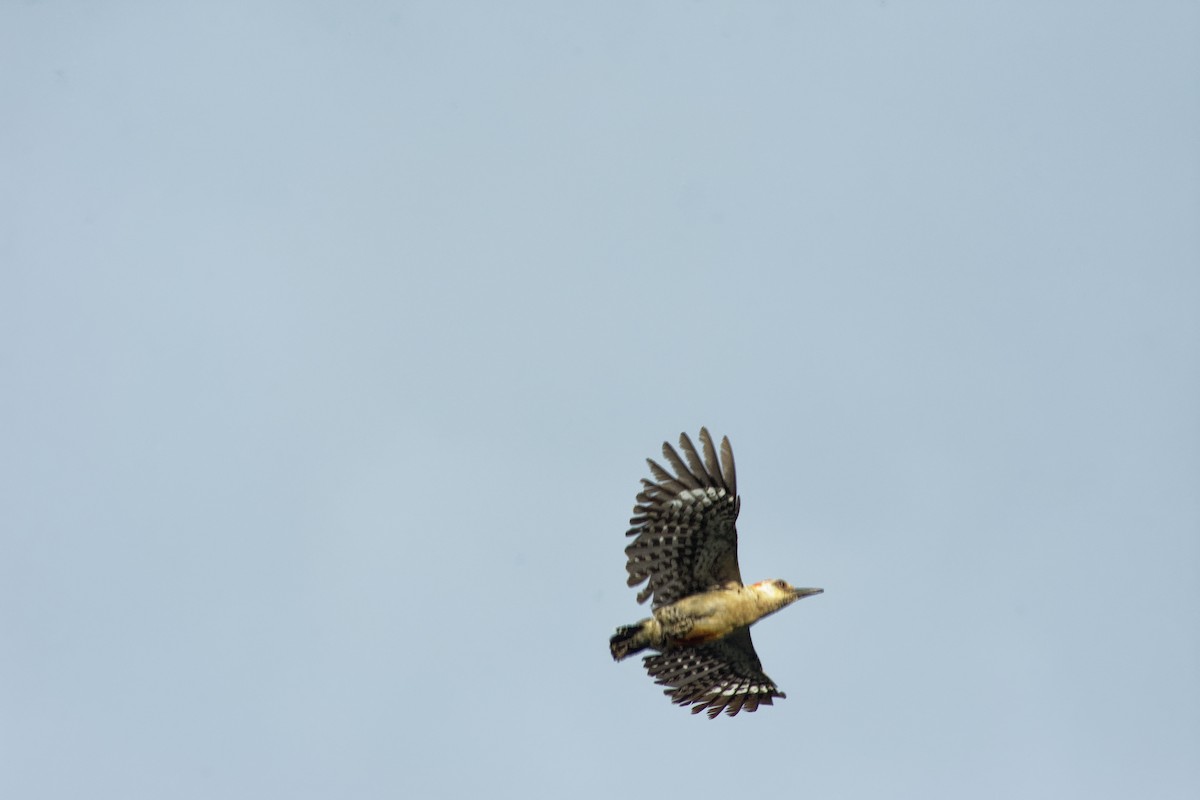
(624, 642)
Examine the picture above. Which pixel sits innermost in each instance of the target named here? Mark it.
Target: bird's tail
(630, 639)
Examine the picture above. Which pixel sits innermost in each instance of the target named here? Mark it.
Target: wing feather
(685, 475)
(666, 481)
(684, 525)
(711, 465)
(728, 471)
(723, 676)
(694, 463)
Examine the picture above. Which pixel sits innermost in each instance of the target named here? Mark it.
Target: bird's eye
(781, 584)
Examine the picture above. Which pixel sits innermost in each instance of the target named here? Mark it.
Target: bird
(685, 550)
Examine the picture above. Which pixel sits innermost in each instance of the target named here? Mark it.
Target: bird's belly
(701, 618)
(704, 631)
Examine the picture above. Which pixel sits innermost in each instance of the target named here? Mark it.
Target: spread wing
(684, 523)
(725, 675)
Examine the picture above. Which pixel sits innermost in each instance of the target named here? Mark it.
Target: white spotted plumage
(684, 549)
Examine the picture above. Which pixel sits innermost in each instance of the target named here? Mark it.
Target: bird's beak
(802, 593)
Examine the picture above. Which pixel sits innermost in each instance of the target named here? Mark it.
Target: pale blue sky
(334, 337)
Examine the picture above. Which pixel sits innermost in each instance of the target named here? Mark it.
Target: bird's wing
(724, 675)
(684, 523)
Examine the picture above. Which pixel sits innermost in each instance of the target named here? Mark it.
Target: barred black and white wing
(725, 675)
(685, 524)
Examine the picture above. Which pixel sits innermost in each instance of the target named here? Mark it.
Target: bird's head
(779, 593)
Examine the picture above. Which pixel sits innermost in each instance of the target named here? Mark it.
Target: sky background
(333, 338)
